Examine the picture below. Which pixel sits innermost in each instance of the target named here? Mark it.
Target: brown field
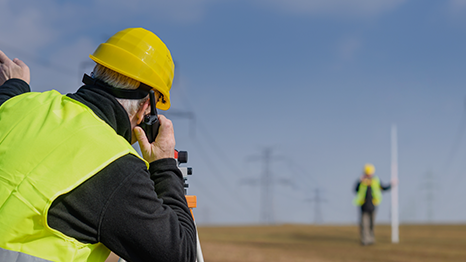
(298, 243)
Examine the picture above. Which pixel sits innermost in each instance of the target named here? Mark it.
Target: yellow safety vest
(376, 193)
(49, 144)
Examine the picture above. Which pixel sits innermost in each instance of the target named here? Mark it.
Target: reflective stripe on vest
(49, 145)
(13, 256)
(376, 193)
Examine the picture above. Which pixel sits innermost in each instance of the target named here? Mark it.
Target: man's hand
(164, 144)
(13, 69)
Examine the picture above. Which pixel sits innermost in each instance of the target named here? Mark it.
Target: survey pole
(394, 189)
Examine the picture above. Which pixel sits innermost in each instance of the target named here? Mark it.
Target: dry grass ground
(426, 243)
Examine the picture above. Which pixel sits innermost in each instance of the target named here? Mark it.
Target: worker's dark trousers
(367, 228)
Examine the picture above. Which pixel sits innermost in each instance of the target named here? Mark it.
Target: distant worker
(72, 188)
(368, 196)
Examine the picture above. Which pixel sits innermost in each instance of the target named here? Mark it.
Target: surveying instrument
(181, 157)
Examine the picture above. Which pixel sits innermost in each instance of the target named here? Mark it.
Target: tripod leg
(200, 257)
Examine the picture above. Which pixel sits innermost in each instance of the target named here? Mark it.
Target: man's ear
(142, 111)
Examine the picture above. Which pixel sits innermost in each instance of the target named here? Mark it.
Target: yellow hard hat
(369, 169)
(139, 54)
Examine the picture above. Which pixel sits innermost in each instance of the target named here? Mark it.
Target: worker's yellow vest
(49, 144)
(376, 193)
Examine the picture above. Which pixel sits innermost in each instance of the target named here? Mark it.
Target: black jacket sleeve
(147, 218)
(11, 88)
(356, 189)
(385, 187)
(140, 215)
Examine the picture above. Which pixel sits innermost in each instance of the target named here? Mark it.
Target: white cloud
(188, 11)
(346, 51)
(64, 68)
(69, 64)
(455, 11)
(78, 51)
(458, 4)
(183, 11)
(457, 8)
(348, 48)
(346, 8)
(25, 28)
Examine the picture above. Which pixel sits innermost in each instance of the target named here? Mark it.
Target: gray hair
(118, 80)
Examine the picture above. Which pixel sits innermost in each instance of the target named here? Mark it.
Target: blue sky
(319, 82)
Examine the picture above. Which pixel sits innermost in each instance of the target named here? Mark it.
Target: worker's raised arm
(13, 69)
(14, 78)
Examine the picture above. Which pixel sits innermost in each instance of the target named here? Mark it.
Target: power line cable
(41, 61)
(219, 152)
(219, 175)
(301, 171)
(458, 178)
(317, 199)
(267, 181)
(338, 209)
(205, 132)
(456, 142)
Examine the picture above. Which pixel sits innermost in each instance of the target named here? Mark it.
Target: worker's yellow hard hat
(369, 169)
(141, 55)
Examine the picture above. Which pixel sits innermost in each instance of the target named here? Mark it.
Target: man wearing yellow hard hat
(368, 196)
(72, 188)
